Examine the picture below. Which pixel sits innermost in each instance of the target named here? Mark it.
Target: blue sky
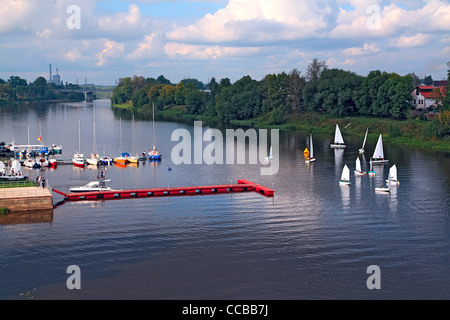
(220, 38)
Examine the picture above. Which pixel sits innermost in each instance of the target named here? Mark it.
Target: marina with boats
(149, 212)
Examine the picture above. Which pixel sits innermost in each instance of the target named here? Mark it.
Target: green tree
(296, 84)
(16, 81)
(428, 81)
(315, 69)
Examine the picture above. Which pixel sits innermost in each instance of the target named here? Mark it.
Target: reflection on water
(313, 239)
(26, 217)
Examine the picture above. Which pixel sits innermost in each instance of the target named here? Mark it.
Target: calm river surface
(313, 240)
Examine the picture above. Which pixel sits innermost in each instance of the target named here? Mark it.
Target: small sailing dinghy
(345, 176)
(386, 189)
(270, 156)
(15, 173)
(338, 140)
(310, 158)
(364, 142)
(393, 175)
(358, 171)
(378, 154)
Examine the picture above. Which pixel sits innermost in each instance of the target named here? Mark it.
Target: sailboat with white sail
(310, 158)
(345, 176)
(358, 170)
(378, 154)
(393, 175)
(338, 139)
(364, 142)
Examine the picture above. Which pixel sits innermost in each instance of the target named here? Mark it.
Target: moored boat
(78, 160)
(93, 186)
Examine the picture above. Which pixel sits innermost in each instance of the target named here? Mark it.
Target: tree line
(321, 89)
(18, 89)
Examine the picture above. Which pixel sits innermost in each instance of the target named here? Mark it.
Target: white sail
(311, 146)
(16, 168)
(2, 167)
(338, 136)
(364, 142)
(393, 173)
(358, 165)
(378, 154)
(345, 176)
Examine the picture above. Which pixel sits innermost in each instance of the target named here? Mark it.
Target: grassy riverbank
(410, 132)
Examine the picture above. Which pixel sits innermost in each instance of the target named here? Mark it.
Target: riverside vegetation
(18, 90)
(315, 102)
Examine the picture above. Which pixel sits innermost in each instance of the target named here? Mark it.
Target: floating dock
(242, 186)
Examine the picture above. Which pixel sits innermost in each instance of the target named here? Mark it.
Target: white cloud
(417, 40)
(73, 55)
(360, 51)
(256, 21)
(111, 50)
(432, 15)
(200, 52)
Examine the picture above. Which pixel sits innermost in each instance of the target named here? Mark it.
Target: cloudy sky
(102, 41)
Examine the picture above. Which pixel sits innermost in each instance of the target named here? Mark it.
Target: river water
(314, 239)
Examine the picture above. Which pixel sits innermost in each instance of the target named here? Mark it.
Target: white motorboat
(93, 186)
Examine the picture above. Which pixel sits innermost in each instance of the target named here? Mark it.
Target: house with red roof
(427, 97)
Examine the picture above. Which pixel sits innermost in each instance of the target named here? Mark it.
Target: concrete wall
(27, 203)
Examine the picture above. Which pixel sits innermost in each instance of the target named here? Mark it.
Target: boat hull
(154, 157)
(338, 146)
(310, 160)
(13, 178)
(381, 161)
(383, 190)
(344, 183)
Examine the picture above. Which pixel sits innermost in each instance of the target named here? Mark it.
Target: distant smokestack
(50, 72)
(56, 71)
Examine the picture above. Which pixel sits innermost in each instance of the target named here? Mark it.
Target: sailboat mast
(79, 137)
(93, 132)
(153, 124)
(120, 130)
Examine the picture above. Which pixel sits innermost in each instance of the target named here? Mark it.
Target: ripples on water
(314, 239)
